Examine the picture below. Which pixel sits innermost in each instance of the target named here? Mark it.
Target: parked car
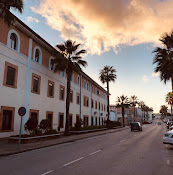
(171, 127)
(159, 123)
(146, 122)
(169, 124)
(136, 126)
(168, 137)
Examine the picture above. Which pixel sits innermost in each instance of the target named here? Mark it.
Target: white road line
(122, 141)
(73, 161)
(95, 152)
(168, 162)
(47, 172)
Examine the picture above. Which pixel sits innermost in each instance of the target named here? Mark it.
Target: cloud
(106, 25)
(31, 19)
(145, 78)
(155, 74)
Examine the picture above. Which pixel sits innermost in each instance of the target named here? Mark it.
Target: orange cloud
(101, 25)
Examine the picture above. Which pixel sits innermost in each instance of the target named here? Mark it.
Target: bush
(31, 125)
(78, 124)
(51, 131)
(111, 124)
(45, 125)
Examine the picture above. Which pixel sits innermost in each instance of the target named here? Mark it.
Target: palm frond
(81, 51)
(82, 62)
(61, 47)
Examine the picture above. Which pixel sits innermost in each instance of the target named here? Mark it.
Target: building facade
(27, 79)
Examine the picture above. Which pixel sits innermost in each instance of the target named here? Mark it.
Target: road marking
(168, 162)
(47, 172)
(122, 141)
(95, 152)
(73, 161)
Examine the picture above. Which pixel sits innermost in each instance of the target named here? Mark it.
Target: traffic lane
(128, 157)
(41, 160)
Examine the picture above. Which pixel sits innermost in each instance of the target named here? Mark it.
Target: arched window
(13, 40)
(51, 66)
(37, 55)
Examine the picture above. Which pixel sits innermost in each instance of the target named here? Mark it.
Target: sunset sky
(119, 33)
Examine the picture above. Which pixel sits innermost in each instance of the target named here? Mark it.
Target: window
(62, 73)
(37, 55)
(70, 119)
(92, 120)
(51, 65)
(13, 40)
(85, 120)
(34, 113)
(50, 89)
(99, 121)
(49, 117)
(71, 96)
(7, 118)
(102, 121)
(77, 98)
(99, 105)
(95, 104)
(85, 85)
(10, 75)
(36, 80)
(96, 91)
(62, 92)
(61, 120)
(78, 80)
(77, 117)
(102, 107)
(86, 101)
(92, 88)
(72, 77)
(92, 103)
(96, 121)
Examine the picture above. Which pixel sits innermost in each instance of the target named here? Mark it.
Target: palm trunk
(108, 99)
(67, 104)
(123, 116)
(134, 113)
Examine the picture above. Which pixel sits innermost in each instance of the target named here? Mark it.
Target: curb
(68, 141)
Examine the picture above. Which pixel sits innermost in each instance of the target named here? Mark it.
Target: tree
(133, 103)
(141, 104)
(69, 60)
(164, 58)
(6, 5)
(123, 102)
(163, 110)
(108, 74)
(169, 99)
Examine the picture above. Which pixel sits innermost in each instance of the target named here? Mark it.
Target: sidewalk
(13, 148)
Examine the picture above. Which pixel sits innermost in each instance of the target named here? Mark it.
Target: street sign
(22, 111)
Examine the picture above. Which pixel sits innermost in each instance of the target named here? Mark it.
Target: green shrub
(78, 124)
(31, 125)
(45, 125)
(51, 131)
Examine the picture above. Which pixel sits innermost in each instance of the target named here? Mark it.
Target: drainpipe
(91, 106)
(28, 86)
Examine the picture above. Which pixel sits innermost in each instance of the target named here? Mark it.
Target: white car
(168, 137)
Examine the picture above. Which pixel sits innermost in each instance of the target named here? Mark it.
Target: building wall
(17, 97)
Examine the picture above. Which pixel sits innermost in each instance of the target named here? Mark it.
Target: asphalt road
(119, 153)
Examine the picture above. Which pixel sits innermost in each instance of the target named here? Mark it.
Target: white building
(27, 79)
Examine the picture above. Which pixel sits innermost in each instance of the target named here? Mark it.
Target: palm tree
(123, 102)
(169, 99)
(141, 104)
(134, 102)
(163, 110)
(108, 74)
(69, 60)
(6, 5)
(164, 58)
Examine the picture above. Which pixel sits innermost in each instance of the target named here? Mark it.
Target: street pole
(20, 130)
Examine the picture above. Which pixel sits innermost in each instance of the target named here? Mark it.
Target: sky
(122, 34)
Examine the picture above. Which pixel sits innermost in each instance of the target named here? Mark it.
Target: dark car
(146, 122)
(136, 126)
